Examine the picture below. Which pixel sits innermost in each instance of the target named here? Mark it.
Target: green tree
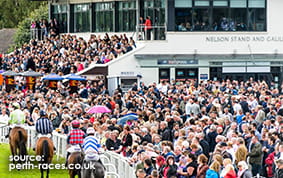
(14, 11)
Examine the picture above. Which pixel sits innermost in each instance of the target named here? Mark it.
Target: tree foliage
(14, 11)
(23, 31)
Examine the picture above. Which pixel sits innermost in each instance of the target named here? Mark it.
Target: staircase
(6, 39)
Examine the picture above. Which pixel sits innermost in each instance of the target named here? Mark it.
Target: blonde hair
(215, 166)
(227, 161)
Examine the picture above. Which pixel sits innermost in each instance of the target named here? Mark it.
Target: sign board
(176, 62)
(94, 77)
(203, 76)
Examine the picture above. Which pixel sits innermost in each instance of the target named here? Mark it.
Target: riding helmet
(42, 113)
(90, 130)
(75, 124)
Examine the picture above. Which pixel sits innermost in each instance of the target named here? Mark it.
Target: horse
(92, 167)
(45, 149)
(75, 158)
(17, 141)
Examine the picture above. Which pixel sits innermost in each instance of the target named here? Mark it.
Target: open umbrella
(98, 109)
(31, 73)
(10, 73)
(74, 77)
(127, 117)
(52, 77)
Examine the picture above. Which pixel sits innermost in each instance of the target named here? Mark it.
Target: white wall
(149, 75)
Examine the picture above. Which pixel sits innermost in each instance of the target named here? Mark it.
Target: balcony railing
(154, 33)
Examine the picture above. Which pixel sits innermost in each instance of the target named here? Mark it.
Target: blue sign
(176, 62)
(203, 76)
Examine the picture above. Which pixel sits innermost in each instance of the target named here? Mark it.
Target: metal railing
(154, 33)
(121, 164)
(37, 33)
(116, 165)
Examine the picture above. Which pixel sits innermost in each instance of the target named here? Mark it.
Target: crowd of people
(66, 54)
(184, 129)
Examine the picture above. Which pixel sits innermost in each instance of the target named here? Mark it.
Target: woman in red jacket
(147, 28)
(269, 162)
(228, 171)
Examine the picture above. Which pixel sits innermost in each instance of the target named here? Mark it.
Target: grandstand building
(190, 39)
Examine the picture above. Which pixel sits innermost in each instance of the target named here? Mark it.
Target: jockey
(43, 125)
(75, 138)
(17, 118)
(91, 146)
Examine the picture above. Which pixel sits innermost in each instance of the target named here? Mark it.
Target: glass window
(183, 19)
(220, 3)
(156, 11)
(221, 20)
(257, 3)
(104, 14)
(59, 12)
(183, 3)
(239, 16)
(201, 19)
(257, 19)
(238, 3)
(220, 15)
(201, 3)
(81, 18)
(127, 16)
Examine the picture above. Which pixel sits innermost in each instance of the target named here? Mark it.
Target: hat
(141, 151)
(16, 105)
(222, 144)
(90, 130)
(75, 124)
(42, 113)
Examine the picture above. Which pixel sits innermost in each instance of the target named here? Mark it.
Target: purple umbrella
(98, 109)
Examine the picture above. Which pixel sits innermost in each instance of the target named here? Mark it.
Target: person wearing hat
(17, 118)
(75, 138)
(43, 125)
(91, 145)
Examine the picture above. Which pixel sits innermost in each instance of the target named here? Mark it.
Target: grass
(31, 173)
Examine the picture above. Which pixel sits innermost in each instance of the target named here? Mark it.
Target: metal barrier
(116, 165)
(37, 33)
(155, 33)
(121, 163)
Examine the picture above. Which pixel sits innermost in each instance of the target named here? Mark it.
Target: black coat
(166, 135)
(127, 140)
(146, 138)
(278, 173)
(210, 138)
(205, 147)
(245, 106)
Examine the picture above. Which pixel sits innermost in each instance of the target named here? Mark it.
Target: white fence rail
(116, 165)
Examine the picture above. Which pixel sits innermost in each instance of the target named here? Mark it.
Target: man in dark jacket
(210, 138)
(165, 132)
(279, 169)
(244, 104)
(255, 155)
